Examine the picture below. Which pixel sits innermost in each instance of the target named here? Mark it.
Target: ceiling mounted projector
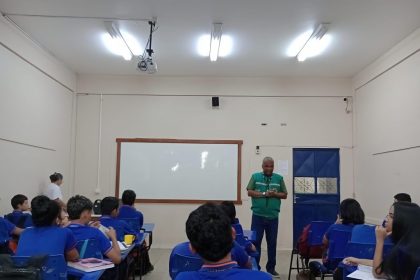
(146, 63)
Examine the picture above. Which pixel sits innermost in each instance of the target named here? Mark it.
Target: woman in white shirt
(53, 190)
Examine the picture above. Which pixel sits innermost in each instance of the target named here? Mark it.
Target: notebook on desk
(91, 264)
(363, 272)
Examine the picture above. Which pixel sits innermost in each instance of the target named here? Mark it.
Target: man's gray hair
(268, 159)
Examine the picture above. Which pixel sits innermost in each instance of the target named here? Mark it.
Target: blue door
(316, 187)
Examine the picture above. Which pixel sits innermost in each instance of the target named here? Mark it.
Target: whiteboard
(179, 172)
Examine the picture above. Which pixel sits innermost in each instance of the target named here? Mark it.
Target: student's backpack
(305, 251)
(32, 270)
(97, 207)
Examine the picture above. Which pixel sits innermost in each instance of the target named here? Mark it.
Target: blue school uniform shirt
(20, 219)
(238, 253)
(52, 240)
(6, 228)
(83, 232)
(247, 244)
(225, 271)
(129, 212)
(121, 227)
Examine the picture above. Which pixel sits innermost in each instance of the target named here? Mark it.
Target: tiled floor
(160, 260)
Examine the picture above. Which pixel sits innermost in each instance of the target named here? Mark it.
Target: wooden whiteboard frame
(180, 141)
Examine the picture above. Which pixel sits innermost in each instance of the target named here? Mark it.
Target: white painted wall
(36, 109)
(387, 118)
(311, 121)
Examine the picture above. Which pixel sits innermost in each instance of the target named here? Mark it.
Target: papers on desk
(91, 264)
(363, 272)
(123, 246)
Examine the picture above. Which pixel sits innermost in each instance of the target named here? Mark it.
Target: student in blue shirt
(210, 233)
(127, 210)
(7, 230)
(109, 210)
(18, 216)
(238, 254)
(79, 209)
(351, 214)
(230, 210)
(46, 238)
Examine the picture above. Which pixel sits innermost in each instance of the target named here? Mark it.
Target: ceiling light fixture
(215, 45)
(216, 36)
(315, 44)
(117, 43)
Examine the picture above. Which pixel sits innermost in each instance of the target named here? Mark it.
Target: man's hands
(271, 193)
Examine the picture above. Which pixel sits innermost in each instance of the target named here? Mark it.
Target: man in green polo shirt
(266, 189)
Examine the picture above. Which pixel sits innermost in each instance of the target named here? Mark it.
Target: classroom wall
(387, 128)
(36, 117)
(312, 109)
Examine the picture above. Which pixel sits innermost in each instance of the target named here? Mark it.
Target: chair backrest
(317, 231)
(338, 244)
(417, 277)
(134, 223)
(182, 259)
(238, 228)
(55, 267)
(360, 250)
(97, 207)
(89, 248)
(363, 234)
(365, 250)
(240, 238)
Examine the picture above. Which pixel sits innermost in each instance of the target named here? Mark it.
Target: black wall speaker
(215, 101)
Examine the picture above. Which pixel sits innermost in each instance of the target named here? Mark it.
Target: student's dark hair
(404, 219)
(351, 212)
(76, 205)
(44, 211)
(128, 197)
(229, 208)
(18, 200)
(210, 232)
(55, 177)
(402, 197)
(109, 204)
(403, 260)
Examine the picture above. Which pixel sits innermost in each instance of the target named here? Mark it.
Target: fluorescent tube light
(315, 44)
(115, 41)
(216, 36)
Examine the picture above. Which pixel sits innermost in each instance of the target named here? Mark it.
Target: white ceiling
(262, 31)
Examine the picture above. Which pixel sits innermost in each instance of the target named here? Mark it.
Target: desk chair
(89, 248)
(55, 267)
(317, 230)
(182, 260)
(336, 252)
